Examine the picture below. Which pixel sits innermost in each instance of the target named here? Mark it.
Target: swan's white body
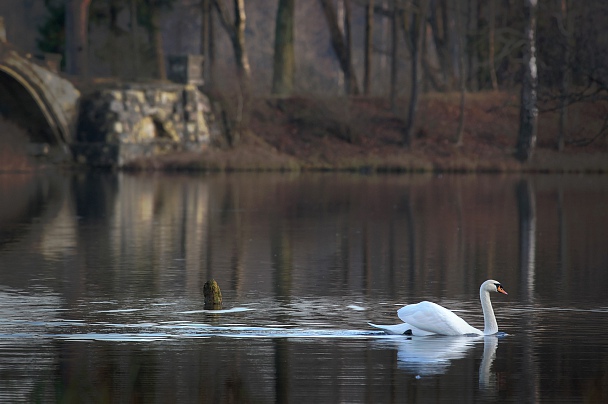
(427, 318)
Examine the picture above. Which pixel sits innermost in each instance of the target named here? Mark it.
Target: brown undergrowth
(364, 134)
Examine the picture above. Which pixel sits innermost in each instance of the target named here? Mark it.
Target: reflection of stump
(213, 295)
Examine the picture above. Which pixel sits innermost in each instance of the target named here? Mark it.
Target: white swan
(427, 318)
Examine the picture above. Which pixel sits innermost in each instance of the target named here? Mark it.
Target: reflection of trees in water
(323, 234)
(526, 199)
(527, 238)
(31, 205)
(13, 147)
(134, 230)
(281, 258)
(393, 234)
(449, 229)
(563, 239)
(282, 368)
(22, 197)
(140, 373)
(411, 237)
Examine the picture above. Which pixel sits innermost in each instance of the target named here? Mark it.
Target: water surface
(101, 287)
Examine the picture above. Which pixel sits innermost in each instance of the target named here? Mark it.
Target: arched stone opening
(154, 128)
(18, 105)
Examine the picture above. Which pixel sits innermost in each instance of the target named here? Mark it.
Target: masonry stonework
(123, 123)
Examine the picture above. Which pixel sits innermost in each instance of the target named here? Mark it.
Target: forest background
(374, 84)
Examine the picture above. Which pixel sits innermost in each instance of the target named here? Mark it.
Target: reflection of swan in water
(433, 355)
(487, 379)
(427, 318)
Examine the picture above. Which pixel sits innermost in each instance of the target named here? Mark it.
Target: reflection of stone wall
(160, 224)
(120, 124)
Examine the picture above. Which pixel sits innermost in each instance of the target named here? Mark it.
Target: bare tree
(348, 41)
(340, 46)
(439, 20)
(157, 42)
(565, 22)
(133, 36)
(491, 43)
(284, 55)
(206, 45)
(461, 32)
(529, 109)
(369, 40)
(235, 27)
(394, 54)
(76, 38)
(416, 31)
(473, 22)
(153, 9)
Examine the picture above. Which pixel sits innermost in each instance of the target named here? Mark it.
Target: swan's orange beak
(500, 289)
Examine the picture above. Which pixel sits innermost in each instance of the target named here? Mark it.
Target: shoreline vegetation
(362, 134)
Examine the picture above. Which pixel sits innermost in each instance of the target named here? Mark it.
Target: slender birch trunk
(529, 110)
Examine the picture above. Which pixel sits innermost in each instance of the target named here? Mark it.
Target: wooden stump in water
(213, 295)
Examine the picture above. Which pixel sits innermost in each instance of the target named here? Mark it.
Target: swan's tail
(401, 329)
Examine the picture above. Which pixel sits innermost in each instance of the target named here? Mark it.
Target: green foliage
(52, 32)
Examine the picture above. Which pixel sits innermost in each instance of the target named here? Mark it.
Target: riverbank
(362, 134)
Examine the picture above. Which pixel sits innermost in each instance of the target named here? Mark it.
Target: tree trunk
(565, 25)
(439, 21)
(463, 78)
(206, 40)
(348, 82)
(284, 56)
(491, 47)
(133, 35)
(394, 55)
(422, 49)
(369, 40)
(76, 37)
(416, 30)
(242, 58)
(156, 39)
(472, 60)
(529, 110)
(212, 49)
(236, 32)
(340, 47)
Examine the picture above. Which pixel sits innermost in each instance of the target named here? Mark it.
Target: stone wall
(121, 123)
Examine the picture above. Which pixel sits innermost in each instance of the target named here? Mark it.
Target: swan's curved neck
(489, 320)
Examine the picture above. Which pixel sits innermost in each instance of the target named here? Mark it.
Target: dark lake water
(101, 281)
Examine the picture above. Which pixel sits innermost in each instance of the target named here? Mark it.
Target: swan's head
(493, 286)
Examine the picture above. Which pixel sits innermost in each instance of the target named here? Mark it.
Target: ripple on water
(221, 311)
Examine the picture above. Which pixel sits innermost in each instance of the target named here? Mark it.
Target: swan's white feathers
(433, 318)
(401, 329)
(395, 329)
(427, 318)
